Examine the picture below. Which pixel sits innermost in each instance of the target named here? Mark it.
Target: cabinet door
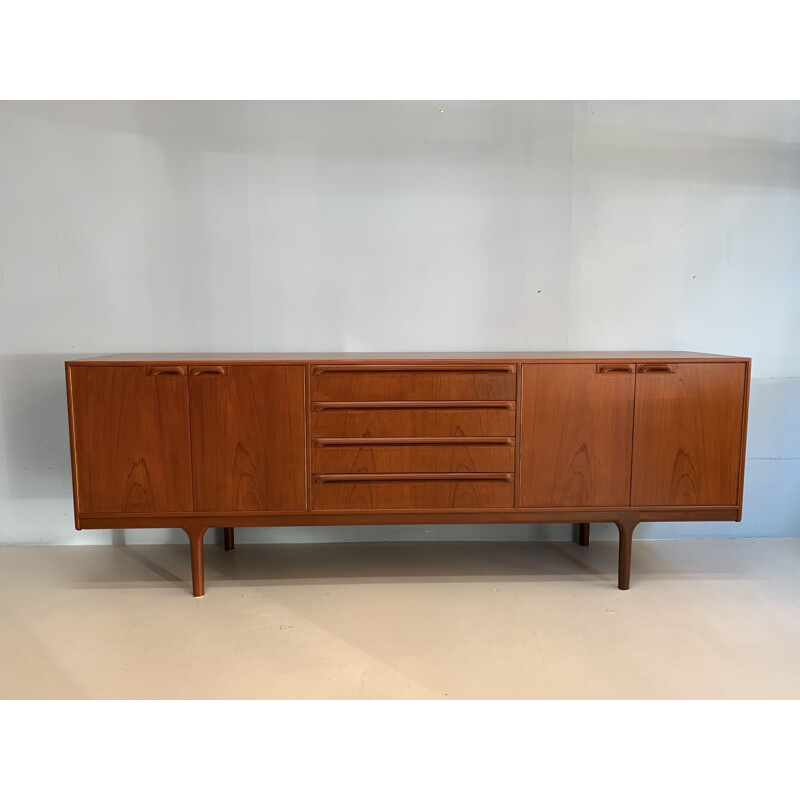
(575, 434)
(688, 434)
(248, 438)
(131, 439)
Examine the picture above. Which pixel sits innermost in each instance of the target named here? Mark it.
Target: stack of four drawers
(413, 436)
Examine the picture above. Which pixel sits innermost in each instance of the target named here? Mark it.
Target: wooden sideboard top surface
(306, 358)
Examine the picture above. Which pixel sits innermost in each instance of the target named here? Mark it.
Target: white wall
(392, 226)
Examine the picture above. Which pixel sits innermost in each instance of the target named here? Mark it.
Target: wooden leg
(583, 534)
(195, 534)
(625, 527)
(228, 534)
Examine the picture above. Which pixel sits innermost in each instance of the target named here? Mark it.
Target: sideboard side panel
(743, 453)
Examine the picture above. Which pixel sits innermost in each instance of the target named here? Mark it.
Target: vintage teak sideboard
(194, 441)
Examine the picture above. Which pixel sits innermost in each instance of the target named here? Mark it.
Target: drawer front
(401, 492)
(412, 455)
(359, 420)
(367, 382)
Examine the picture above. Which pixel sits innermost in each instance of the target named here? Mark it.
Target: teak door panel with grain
(248, 437)
(688, 434)
(130, 428)
(575, 435)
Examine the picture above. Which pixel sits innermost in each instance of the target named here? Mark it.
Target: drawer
(406, 492)
(403, 382)
(451, 454)
(360, 420)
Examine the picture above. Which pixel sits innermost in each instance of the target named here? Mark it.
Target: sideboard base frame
(196, 525)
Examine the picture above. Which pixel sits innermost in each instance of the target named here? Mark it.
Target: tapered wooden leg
(625, 527)
(583, 534)
(195, 534)
(228, 534)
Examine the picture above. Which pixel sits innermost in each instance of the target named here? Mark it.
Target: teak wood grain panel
(412, 455)
(131, 439)
(407, 382)
(575, 437)
(345, 492)
(366, 420)
(248, 438)
(688, 435)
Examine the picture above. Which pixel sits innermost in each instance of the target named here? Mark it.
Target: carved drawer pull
(154, 372)
(411, 405)
(609, 369)
(417, 441)
(417, 477)
(208, 371)
(656, 368)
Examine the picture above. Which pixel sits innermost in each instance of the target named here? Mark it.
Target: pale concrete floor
(703, 619)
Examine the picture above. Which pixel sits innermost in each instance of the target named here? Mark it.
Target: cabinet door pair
(177, 439)
(595, 435)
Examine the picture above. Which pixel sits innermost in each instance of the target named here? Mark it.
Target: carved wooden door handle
(154, 372)
(610, 369)
(656, 368)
